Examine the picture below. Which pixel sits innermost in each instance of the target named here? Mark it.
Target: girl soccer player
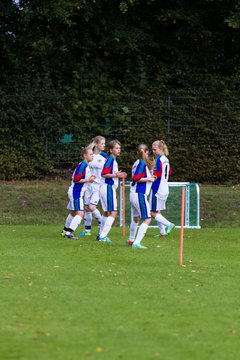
(80, 178)
(140, 189)
(160, 191)
(91, 197)
(108, 186)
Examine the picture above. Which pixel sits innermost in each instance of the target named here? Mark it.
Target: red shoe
(162, 235)
(129, 242)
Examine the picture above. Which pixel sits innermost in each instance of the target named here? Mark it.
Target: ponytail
(95, 141)
(142, 153)
(162, 146)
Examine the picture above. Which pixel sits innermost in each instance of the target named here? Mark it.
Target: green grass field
(66, 299)
(44, 202)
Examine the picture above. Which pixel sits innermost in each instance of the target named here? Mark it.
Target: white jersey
(139, 171)
(110, 167)
(96, 166)
(161, 171)
(81, 172)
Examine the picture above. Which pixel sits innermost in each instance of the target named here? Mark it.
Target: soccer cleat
(162, 235)
(104, 239)
(63, 233)
(169, 229)
(129, 242)
(85, 233)
(138, 246)
(71, 236)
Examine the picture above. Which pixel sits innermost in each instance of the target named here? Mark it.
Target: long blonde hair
(162, 146)
(95, 141)
(142, 151)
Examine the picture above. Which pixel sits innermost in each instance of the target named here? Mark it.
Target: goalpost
(182, 209)
(173, 206)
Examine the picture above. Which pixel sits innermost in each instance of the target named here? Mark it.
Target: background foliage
(136, 70)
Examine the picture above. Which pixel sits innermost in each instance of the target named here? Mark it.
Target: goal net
(173, 205)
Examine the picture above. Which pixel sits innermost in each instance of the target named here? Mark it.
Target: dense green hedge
(201, 132)
(127, 69)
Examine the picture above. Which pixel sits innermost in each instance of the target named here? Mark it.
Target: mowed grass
(65, 299)
(44, 203)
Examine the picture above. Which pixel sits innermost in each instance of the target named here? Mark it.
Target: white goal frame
(187, 185)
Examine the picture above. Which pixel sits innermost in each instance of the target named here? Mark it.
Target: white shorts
(108, 197)
(91, 196)
(140, 205)
(156, 204)
(75, 202)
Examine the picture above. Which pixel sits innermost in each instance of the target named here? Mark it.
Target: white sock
(97, 215)
(161, 228)
(161, 219)
(104, 218)
(76, 221)
(141, 232)
(88, 220)
(133, 230)
(68, 220)
(107, 226)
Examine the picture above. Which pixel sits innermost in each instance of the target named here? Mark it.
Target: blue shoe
(71, 236)
(85, 233)
(138, 246)
(104, 239)
(169, 229)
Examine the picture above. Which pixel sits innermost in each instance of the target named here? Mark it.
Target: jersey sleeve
(140, 171)
(108, 166)
(79, 172)
(158, 168)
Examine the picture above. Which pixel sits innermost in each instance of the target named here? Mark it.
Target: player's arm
(90, 179)
(79, 175)
(107, 171)
(146, 179)
(118, 174)
(157, 172)
(140, 174)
